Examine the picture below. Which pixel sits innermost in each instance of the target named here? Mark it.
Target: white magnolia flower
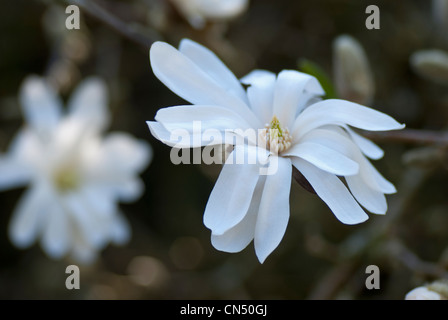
(75, 177)
(312, 135)
(423, 293)
(198, 12)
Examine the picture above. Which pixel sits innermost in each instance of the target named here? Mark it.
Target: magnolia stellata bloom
(296, 128)
(75, 177)
(197, 12)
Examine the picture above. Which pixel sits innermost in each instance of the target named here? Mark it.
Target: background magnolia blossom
(75, 177)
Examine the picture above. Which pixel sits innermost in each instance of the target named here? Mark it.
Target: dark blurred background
(170, 255)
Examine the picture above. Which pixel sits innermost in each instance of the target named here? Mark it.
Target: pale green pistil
(66, 179)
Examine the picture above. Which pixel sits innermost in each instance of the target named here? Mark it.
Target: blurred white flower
(431, 64)
(423, 293)
(296, 129)
(198, 12)
(75, 177)
(353, 76)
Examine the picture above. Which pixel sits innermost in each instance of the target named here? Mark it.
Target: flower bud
(440, 13)
(352, 74)
(198, 12)
(431, 64)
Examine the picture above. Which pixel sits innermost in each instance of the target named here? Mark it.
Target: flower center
(66, 179)
(276, 136)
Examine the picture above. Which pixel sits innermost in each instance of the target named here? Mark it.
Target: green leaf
(312, 68)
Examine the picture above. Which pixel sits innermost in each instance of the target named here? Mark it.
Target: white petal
(273, 214)
(88, 103)
(333, 192)
(192, 83)
(125, 153)
(289, 94)
(369, 148)
(372, 177)
(324, 158)
(130, 190)
(213, 66)
(333, 138)
(120, 230)
(231, 196)
(28, 149)
(100, 199)
(261, 93)
(333, 111)
(372, 200)
(29, 215)
(40, 104)
(88, 222)
(56, 239)
(189, 123)
(238, 237)
(211, 117)
(161, 133)
(13, 174)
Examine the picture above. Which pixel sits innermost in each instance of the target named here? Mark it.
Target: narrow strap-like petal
(324, 158)
(232, 194)
(273, 215)
(261, 93)
(192, 83)
(215, 68)
(41, 105)
(290, 88)
(333, 192)
(238, 237)
(342, 112)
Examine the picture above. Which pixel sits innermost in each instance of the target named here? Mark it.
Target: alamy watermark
(230, 146)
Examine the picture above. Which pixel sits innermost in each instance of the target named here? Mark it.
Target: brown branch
(409, 136)
(126, 30)
(359, 243)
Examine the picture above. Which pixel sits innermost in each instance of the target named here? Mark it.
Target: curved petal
(27, 219)
(333, 192)
(372, 200)
(88, 103)
(231, 196)
(238, 237)
(213, 66)
(333, 111)
(333, 138)
(324, 158)
(261, 93)
(125, 153)
(188, 125)
(91, 225)
(120, 230)
(13, 174)
(41, 105)
(289, 93)
(367, 147)
(273, 215)
(57, 234)
(367, 171)
(189, 81)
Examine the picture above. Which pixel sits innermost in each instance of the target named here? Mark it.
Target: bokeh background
(170, 255)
